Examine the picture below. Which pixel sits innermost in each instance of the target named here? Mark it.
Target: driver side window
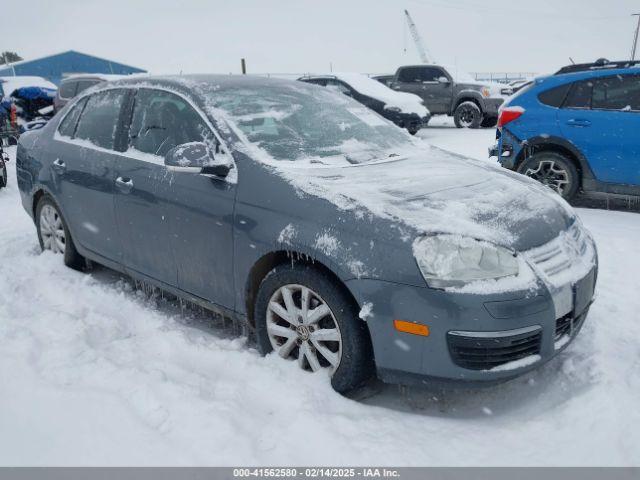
(162, 121)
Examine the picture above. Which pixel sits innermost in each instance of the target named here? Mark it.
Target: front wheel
(553, 170)
(302, 315)
(467, 115)
(53, 233)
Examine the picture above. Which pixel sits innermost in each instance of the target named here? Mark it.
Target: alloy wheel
(301, 326)
(52, 230)
(550, 174)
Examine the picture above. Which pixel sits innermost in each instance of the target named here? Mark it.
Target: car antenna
(572, 62)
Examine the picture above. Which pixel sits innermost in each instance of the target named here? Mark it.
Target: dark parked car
(347, 245)
(405, 110)
(446, 90)
(76, 84)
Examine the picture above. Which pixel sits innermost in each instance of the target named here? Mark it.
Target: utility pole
(635, 38)
(243, 65)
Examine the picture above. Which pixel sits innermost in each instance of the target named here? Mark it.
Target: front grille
(485, 351)
(558, 256)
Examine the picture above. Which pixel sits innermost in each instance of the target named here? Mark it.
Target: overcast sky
(306, 35)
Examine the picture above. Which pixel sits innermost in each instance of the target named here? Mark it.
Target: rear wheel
(553, 170)
(467, 115)
(303, 316)
(54, 235)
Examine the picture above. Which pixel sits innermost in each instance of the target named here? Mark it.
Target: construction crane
(425, 56)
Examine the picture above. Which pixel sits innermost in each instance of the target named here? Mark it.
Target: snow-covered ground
(95, 373)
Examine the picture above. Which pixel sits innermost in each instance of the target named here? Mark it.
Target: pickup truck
(447, 91)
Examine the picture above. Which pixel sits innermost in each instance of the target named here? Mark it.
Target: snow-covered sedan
(404, 109)
(347, 245)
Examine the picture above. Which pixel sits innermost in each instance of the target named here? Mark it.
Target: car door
(185, 218)
(143, 189)
(602, 118)
(436, 93)
(84, 158)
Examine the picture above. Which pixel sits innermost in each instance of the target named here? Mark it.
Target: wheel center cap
(303, 332)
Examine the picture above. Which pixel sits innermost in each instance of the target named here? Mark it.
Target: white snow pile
(406, 102)
(93, 373)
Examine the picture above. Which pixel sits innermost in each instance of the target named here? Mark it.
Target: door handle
(578, 122)
(124, 184)
(59, 165)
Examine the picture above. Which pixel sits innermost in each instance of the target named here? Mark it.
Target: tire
(352, 354)
(413, 131)
(3, 176)
(57, 238)
(554, 170)
(467, 115)
(489, 122)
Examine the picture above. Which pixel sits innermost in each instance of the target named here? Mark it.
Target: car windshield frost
(308, 123)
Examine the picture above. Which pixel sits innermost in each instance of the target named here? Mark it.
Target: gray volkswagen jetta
(345, 244)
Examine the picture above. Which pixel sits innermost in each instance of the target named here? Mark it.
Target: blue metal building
(55, 67)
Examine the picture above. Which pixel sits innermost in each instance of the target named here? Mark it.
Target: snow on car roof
(9, 84)
(407, 102)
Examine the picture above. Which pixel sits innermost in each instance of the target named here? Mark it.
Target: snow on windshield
(299, 122)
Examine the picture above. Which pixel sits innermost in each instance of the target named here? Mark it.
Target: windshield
(303, 122)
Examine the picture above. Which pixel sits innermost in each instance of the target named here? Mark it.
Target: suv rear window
(99, 120)
(555, 96)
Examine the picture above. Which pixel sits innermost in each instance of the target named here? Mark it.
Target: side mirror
(443, 80)
(196, 156)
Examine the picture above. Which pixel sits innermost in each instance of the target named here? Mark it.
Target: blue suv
(577, 130)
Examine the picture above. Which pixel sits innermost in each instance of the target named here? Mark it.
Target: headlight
(454, 261)
(486, 92)
(394, 109)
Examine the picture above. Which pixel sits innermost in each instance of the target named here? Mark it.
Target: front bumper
(470, 335)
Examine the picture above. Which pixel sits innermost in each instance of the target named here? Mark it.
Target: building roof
(55, 67)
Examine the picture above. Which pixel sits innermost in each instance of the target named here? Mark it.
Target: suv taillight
(508, 115)
(13, 117)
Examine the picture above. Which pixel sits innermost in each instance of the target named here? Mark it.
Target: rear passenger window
(579, 95)
(68, 90)
(555, 96)
(67, 127)
(99, 121)
(617, 93)
(162, 120)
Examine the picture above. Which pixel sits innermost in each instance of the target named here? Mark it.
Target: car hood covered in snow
(433, 191)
